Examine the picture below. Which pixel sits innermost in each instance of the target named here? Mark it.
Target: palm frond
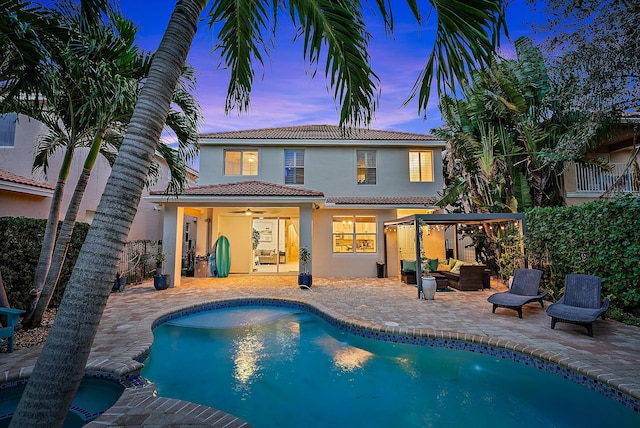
(467, 35)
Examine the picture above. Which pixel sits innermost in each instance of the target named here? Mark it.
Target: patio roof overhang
(456, 219)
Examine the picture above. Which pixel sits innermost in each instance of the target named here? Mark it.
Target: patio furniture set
(581, 303)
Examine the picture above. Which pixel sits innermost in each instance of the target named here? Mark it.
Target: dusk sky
(284, 94)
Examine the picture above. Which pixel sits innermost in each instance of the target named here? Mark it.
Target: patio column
(172, 242)
(306, 234)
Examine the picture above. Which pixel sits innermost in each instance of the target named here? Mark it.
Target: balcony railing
(592, 179)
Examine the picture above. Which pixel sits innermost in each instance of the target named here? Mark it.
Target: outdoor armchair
(524, 289)
(580, 303)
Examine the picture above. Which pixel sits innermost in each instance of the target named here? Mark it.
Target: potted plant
(119, 283)
(428, 283)
(304, 277)
(160, 281)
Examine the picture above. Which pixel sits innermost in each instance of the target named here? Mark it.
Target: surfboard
(223, 257)
(212, 260)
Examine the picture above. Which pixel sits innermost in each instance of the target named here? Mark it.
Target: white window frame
(298, 155)
(243, 153)
(370, 162)
(358, 246)
(419, 172)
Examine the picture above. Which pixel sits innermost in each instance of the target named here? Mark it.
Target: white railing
(596, 180)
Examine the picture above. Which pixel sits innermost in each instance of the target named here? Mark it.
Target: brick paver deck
(611, 356)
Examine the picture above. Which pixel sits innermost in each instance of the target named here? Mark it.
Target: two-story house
(273, 191)
(28, 194)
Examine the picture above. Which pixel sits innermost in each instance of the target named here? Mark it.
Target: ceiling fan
(248, 211)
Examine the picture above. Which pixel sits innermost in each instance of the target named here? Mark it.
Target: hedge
(599, 238)
(21, 239)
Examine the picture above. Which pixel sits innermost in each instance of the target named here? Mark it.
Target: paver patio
(612, 356)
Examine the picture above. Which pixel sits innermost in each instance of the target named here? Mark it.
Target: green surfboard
(223, 257)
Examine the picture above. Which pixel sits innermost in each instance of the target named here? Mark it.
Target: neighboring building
(23, 193)
(585, 183)
(306, 186)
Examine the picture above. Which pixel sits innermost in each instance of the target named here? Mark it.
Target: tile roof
(15, 178)
(248, 188)
(383, 200)
(318, 132)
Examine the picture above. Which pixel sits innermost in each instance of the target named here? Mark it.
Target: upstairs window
(354, 234)
(8, 129)
(366, 163)
(294, 167)
(240, 162)
(420, 166)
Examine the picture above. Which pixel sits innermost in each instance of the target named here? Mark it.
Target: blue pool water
(94, 396)
(280, 367)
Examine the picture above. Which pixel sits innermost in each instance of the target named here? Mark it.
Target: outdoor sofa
(463, 276)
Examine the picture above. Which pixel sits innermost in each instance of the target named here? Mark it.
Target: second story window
(294, 167)
(366, 163)
(7, 129)
(420, 166)
(240, 162)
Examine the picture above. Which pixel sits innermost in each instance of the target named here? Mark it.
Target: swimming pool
(94, 396)
(284, 366)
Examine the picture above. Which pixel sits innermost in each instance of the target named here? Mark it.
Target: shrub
(21, 241)
(599, 238)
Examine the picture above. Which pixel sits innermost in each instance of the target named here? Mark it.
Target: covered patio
(420, 236)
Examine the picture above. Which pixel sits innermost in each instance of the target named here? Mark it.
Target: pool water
(279, 367)
(94, 396)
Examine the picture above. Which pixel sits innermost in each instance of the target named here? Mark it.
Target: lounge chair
(580, 303)
(524, 289)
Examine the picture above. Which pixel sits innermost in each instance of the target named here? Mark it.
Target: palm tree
(24, 28)
(104, 101)
(336, 24)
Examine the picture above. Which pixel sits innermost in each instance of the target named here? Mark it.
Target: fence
(138, 261)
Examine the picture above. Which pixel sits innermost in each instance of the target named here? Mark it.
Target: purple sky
(284, 93)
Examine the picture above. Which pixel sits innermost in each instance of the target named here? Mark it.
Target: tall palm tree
(102, 70)
(336, 25)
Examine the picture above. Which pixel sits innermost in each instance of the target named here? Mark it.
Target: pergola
(450, 220)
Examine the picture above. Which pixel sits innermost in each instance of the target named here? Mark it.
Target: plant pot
(118, 284)
(429, 286)
(161, 282)
(305, 280)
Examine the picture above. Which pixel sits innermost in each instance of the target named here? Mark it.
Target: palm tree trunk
(60, 367)
(34, 318)
(48, 241)
(60, 252)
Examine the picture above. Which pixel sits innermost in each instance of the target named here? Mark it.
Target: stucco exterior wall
(330, 169)
(19, 160)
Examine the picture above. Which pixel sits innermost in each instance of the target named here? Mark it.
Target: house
(585, 183)
(23, 193)
(273, 191)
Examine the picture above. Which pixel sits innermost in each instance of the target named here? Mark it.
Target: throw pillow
(433, 264)
(443, 267)
(409, 265)
(456, 268)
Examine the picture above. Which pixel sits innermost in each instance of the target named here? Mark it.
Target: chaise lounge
(524, 289)
(580, 303)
